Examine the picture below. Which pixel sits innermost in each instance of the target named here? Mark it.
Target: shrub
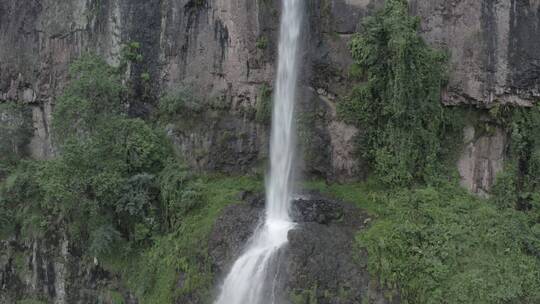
(524, 158)
(518, 186)
(19, 197)
(91, 98)
(444, 246)
(179, 193)
(102, 188)
(138, 207)
(262, 42)
(177, 103)
(398, 107)
(103, 240)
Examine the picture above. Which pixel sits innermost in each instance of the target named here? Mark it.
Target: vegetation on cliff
(116, 190)
(439, 244)
(119, 192)
(432, 242)
(398, 107)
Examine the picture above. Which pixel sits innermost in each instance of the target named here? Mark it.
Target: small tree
(398, 107)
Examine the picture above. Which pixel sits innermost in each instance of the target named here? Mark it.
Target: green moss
(306, 133)
(362, 194)
(19, 263)
(200, 3)
(114, 297)
(326, 10)
(263, 112)
(145, 77)
(313, 294)
(262, 42)
(269, 7)
(304, 296)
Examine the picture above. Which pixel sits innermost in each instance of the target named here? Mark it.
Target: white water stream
(252, 279)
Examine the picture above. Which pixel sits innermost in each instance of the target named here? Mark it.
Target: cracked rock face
(225, 51)
(51, 269)
(492, 45)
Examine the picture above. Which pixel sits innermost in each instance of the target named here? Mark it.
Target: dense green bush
(436, 243)
(93, 96)
(180, 192)
(119, 192)
(441, 245)
(31, 301)
(19, 203)
(519, 185)
(152, 273)
(398, 107)
(103, 189)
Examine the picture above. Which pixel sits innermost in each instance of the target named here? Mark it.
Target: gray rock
(211, 47)
(232, 231)
(492, 47)
(50, 268)
(317, 210)
(320, 263)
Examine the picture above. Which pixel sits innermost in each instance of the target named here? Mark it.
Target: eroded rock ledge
(320, 264)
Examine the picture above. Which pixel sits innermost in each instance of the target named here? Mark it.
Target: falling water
(252, 278)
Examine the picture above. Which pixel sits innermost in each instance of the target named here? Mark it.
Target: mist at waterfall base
(252, 279)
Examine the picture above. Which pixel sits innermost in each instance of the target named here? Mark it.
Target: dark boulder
(314, 208)
(320, 264)
(233, 229)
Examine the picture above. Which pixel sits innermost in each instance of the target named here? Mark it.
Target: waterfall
(252, 278)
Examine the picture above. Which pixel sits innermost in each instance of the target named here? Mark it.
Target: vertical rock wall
(224, 52)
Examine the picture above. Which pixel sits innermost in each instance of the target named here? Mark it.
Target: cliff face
(492, 45)
(49, 269)
(224, 52)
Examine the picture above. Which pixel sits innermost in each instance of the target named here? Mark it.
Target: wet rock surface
(316, 209)
(320, 264)
(233, 229)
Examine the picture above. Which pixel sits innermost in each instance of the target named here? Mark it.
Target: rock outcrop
(51, 270)
(482, 158)
(224, 51)
(319, 264)
(492, 46)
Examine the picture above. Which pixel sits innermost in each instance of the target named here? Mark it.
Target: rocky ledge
(320, 264)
